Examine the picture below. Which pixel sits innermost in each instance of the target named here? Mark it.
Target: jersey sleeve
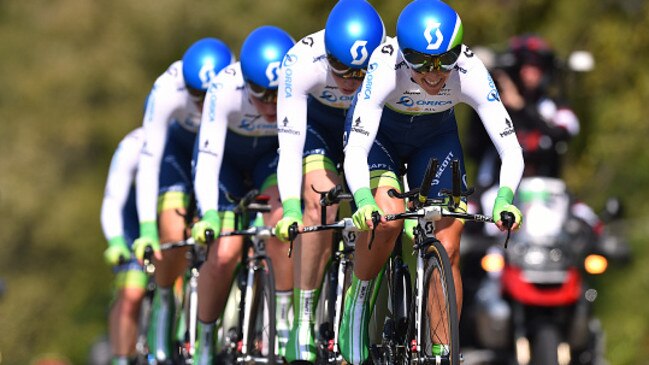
(121, 176)
(479, 92)
(220, 102)
(379, 82)
(297, 77)
(160, 107)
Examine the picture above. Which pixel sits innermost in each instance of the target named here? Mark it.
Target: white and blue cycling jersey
(171, 121)
(118, 211)
(235, 144)
(396, 123)
(311, 112)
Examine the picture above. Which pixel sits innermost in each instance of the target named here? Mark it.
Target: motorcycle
(534, 301)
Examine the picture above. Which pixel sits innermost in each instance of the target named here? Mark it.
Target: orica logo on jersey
(407, 101)
(372, 67)
(206, 73)
(359, 58)
(438, 38)
(271, 73)
(493, 92)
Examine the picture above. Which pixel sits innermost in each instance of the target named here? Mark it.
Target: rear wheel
(440, 319)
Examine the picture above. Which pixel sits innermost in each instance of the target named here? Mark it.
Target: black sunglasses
(265, 95)
(343, 71)
(195, 92)
(421, 62)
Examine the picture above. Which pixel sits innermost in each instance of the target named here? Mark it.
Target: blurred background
(73, 78)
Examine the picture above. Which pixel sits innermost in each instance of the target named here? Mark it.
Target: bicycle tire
(402, 330)
(438, 271)
(262, 336)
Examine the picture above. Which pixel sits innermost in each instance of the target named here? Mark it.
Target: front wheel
(440, 321)
(261, 330)
(545, 346)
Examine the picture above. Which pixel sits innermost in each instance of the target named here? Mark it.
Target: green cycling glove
(148, 237)
(503, 203)
(211, 221)
(292, 214)
(116, 248)
(366, 206)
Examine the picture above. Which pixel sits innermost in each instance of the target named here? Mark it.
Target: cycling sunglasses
(421, 62)
(195, 92)
(265, 95)
(343, 71)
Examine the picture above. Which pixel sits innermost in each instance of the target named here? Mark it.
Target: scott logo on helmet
(359, 58)
(271, 73)
(206, 73)
(438, 37)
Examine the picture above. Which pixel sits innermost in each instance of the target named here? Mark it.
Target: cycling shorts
(176, 169)
(323, 148)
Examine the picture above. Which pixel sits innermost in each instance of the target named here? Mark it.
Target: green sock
(301, 343)
(161, 328)
(440, 350)
(205, 338)
(119, 360)
(283, 305)
(354, 336)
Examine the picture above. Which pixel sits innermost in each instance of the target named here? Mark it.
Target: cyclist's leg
(130, 288)
(217, 272)
(282, 266)
(175, 189)
(323, 149)
(214, 283)
(368, 263)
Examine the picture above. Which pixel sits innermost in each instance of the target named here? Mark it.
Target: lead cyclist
(403, 116)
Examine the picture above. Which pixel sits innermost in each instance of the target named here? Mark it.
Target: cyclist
(120, 225)
(171, 121)
(317, 81)
(237, 151)
(403, 116)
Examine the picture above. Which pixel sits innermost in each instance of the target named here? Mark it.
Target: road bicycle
(253, 339)
(185, 319)
(414, 330)
(337, 276)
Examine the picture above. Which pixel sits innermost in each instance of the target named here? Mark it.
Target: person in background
(237, 152)
(119, 222)
(544, 124)
(164, 186)
(318, 79)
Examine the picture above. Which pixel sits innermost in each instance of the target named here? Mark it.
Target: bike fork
(193, 310)
(340, 286)
(247, 314)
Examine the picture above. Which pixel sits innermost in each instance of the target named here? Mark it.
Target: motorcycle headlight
(595, 264)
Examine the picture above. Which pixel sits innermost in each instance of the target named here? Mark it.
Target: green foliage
(75, 75)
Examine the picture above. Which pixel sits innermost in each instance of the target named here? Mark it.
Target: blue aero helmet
(202, 61)
(353, 30)
(261, 56)
(429, 33)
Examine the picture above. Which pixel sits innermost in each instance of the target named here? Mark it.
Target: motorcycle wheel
(545, 345)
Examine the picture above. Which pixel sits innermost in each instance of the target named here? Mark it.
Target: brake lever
(292, 235)
(508, 220)
(376, 218)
